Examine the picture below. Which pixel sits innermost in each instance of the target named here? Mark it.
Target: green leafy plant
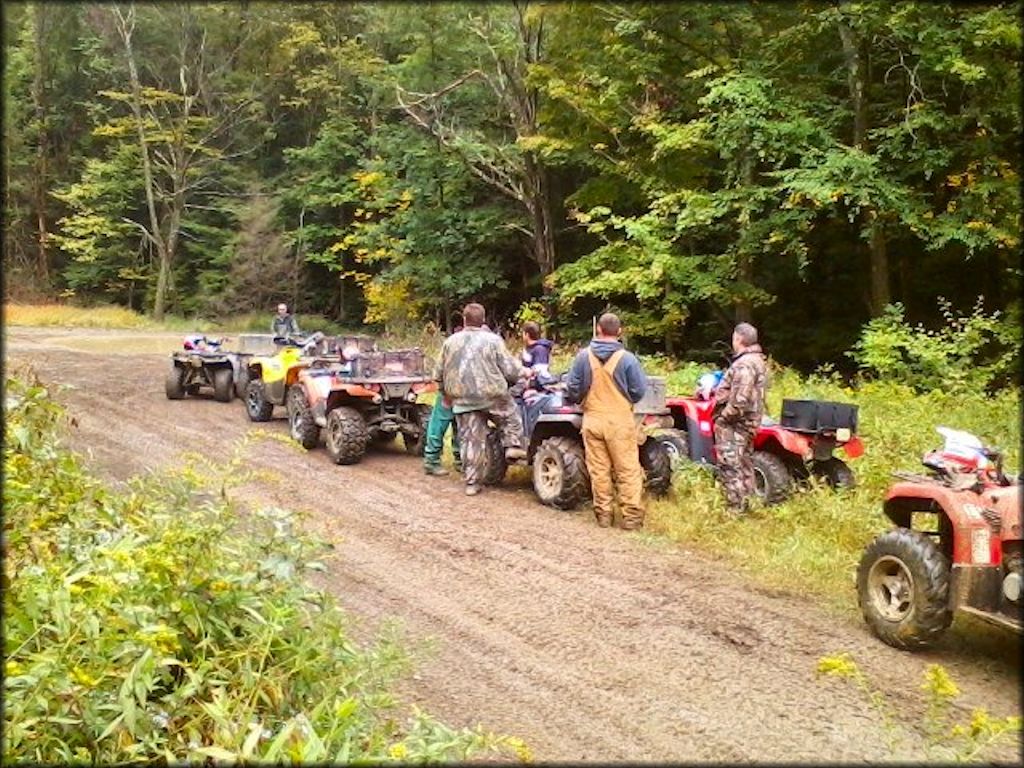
(969, 352)
(157, 624)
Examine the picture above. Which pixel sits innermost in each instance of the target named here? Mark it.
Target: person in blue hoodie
(608, 380)
(536, 350)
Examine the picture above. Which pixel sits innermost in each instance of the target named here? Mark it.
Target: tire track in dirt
(588, 643)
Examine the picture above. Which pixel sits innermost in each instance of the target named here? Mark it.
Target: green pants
(441, 418)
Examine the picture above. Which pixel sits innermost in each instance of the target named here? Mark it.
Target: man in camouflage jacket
(474, 371)
(740, 398)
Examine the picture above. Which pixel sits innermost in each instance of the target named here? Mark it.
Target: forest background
(845, 175)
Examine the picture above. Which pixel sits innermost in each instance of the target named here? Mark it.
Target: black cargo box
(818, 416)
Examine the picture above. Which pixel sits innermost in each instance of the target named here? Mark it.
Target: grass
(66, 316)
(108, 317)
(811, 543)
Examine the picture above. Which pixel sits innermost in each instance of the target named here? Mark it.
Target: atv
(361, 401)
(201, 363)
(802, 444)
(552, 429)
(970, 558)
(268, 377)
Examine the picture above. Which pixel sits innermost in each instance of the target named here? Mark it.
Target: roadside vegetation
(947, 736)
(156, 623)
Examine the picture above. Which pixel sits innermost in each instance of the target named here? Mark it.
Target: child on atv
(536, 350)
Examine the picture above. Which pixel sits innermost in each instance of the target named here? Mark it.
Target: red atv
(785, 453)
(969, 558)
(366, 398)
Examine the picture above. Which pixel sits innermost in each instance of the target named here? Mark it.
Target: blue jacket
(629, 376)
(538, 353)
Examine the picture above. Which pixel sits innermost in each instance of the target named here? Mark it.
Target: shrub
(969, 353)
(151, 625)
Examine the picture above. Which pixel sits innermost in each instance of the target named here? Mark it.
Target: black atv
(202, 363)
(552, 428)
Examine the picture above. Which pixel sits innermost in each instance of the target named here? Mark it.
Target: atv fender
(974, 541)
(775, 439)
(574, 419)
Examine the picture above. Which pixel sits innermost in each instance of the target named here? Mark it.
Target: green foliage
(688, 165)
(149, 624)
(968, 353)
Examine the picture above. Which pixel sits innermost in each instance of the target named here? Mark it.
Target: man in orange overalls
(608, 380)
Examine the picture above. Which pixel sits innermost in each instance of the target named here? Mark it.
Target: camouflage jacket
(474, 368)
(741, 393)
(284, 326)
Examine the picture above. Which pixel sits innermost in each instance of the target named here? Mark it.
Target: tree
(498, 146)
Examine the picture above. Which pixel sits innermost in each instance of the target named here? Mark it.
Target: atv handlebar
(299, 341)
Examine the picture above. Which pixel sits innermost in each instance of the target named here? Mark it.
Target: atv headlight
(411, 397)
(377, 399)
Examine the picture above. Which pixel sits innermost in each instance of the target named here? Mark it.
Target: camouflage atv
(201, 363)
(368, 400)
(270, 376)
(554, 445)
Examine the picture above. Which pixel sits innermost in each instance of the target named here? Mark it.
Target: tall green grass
(150, 625)
(812, 542)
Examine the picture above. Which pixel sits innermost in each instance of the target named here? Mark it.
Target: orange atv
(367, 398)
(969, 559)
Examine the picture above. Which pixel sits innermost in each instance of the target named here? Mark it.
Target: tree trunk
(40, 181)
(745, 264)
(880, 295)
(126, 26)
(543, 231)
(878, 258)
(906, 269)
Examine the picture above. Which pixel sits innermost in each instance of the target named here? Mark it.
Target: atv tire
(903, 589)
(657, 465)
(415, 445)
(496, 466)
(835, 472)
(301, 425)
(560, 477)
(223, 384)
(677, 445)
(241, 382)
(772, 479)
(346, 435)
(173, 384)
(256, 404)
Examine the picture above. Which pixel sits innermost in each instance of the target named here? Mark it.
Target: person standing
(608, 380)
(740, 397)
(475, 370)
(441, 418)
(284, 324)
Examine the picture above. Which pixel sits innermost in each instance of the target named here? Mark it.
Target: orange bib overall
(609, 438)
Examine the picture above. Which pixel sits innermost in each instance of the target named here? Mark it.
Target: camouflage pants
(441, 418)
(735, 444)
(473, 428)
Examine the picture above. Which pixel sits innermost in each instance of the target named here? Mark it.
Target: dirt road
(590, 644)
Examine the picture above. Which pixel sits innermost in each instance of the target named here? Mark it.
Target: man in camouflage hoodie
(740, 397)
(474, 371)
